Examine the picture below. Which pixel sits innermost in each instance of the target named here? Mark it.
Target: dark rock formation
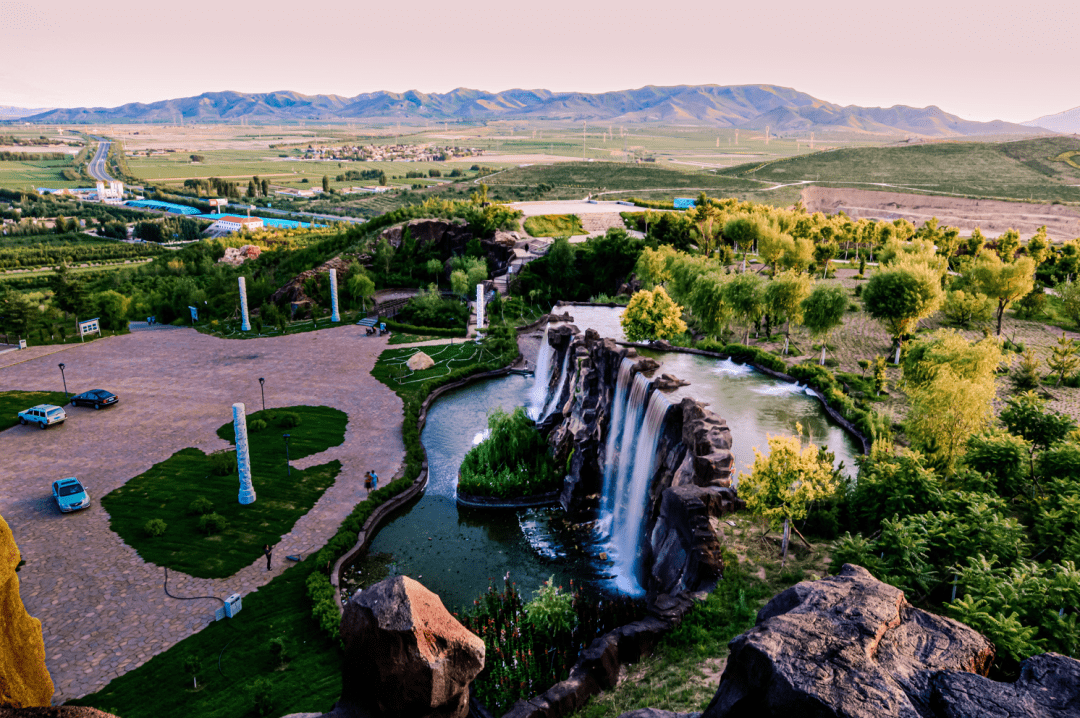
(654, 713)
(1048, 687)
(405, 655)
(452, 236)
(293, 291)
(667, 383)
(847, 645)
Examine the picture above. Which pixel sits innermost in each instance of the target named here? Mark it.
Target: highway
(96, 168)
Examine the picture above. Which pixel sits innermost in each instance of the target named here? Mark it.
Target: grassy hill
(1027, 169)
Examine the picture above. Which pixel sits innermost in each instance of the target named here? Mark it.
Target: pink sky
(981, 60)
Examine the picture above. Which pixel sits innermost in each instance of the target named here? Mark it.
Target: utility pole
(584, 126)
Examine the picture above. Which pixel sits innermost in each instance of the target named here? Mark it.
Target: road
(96, 167)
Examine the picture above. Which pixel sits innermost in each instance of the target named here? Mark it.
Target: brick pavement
(103, 609)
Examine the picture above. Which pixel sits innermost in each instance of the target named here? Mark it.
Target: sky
(982, 60)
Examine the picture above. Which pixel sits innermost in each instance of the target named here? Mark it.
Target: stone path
(103, 609)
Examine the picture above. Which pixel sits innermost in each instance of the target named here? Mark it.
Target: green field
(28, 175)
(1020, 170)
(167, 490)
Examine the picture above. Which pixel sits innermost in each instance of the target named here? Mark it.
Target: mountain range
(1067, 121)
(781, 109)
(7, 112)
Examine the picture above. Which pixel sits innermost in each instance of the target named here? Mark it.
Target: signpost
(194, 314)
(684, 203)
(89, 326)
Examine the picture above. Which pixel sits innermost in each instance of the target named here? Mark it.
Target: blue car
(44, 415)
(70, 495)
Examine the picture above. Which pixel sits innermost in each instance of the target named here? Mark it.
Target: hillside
(781, 109)
(1067, 121)
(1038, 169)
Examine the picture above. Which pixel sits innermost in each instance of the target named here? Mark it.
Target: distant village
(391, 153)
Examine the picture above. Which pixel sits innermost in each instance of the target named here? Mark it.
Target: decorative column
(245, 325)
(334, 315)
(243, 459)
(479, 306)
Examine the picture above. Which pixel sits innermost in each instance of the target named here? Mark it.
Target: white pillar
(245, 323)
(243, 459)
(334, 315)
(479, 306)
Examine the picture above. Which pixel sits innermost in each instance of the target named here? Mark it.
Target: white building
(114, 194)
(231, 223)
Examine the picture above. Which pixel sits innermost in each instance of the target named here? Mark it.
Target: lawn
(554, 225)
(12, 402)
(168, 489)
(1013, 170)
(233, 655)
(391, 370)
(29, 175)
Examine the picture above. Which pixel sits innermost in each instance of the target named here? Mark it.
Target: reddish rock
(405, 655)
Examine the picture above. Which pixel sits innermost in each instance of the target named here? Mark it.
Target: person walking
(269, 552)
(374, 480)
(367, 481)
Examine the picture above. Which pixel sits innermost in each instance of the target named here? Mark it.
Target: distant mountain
(1067, 121)
(781, 109)
(13, 113)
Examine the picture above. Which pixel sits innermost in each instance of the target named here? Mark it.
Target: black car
(96, 398)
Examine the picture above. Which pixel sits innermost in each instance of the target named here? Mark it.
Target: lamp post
(287, 464)
(62, 376)
(262, 391)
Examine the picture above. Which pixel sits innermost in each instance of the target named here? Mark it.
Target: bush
(279, 649)
(256, 425)
(752, 355)
(551, 611)
(154, 528)
(513, 461)
(288, 420)
(212, 523)
(223, 463)
(261, 692)
(429, 309)
(200, 506)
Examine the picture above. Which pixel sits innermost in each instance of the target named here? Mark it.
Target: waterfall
(563, 378)
(616, 430)
(632, 494)
(541, 378)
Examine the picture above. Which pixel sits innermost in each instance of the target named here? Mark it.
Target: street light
(287, 464)
(262, 391)
(65, 382)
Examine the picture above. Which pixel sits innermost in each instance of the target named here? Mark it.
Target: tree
(112, 307)
(654, 265)
(69, 292)
(1069, 294)
(652, 315)
(964, 308)
(772, 245)
(251, 191)
(902, 295)
(784, 296)
(384, 255)
(325, 183)
(17, 312)
(824, 253)
(823, 311)
(798, 254)
(1008, 244)
(265, 186)
(705, 216)
(198, 158)
(781, 485)
(459, 282)
(1038, 247)
(708, 304)
(976, 242)
(1003, 282)
(361, 287)
(1064, 358)
(745, 295)
(1026, 416)
(434, 267)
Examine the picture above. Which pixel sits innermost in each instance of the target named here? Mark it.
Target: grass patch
(391, 370)
(554, 225)
(12, 402)
(169, 488)
(308, 680)
(410, 338)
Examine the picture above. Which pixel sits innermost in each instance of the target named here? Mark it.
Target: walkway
(102, 608)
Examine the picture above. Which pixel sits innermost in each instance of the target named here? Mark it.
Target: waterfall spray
(615, 427)
(541, 378)
(563, 377)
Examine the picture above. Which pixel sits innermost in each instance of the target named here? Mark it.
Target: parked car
(70, 495)
(96, 398)
(44, 415)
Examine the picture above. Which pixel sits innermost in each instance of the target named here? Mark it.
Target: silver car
(44, 415)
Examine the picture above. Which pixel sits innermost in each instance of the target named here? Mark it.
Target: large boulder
(846, 645)
(405, 655)
(24, 679)
(420, 361)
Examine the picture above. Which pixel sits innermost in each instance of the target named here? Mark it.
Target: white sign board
(89, 327)
(22, 344)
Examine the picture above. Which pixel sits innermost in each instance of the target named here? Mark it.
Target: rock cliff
(24, 679)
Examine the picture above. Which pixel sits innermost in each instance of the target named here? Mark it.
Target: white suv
(43, 415)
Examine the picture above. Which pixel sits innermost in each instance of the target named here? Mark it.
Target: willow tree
(651, 314)
(902, 294)
(823, 311)
(784, 296)
(1004, 282)
(745, 295)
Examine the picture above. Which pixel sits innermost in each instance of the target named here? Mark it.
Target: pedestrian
(269, 552)
(374, 480)
(367, 481)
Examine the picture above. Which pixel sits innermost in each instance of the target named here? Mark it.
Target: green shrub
(513, 461)
(262, 695)
(200, 506)
(223, 463)
(212, 523)
(154, 528)
(288, 420)
(551, 611)
(752, 355)
(256, 425)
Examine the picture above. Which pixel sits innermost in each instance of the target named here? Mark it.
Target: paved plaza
(103, 609)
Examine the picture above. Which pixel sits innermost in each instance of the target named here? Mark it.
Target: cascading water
(564, 372)
(538, 397)
(628, 519)
(611, 447)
